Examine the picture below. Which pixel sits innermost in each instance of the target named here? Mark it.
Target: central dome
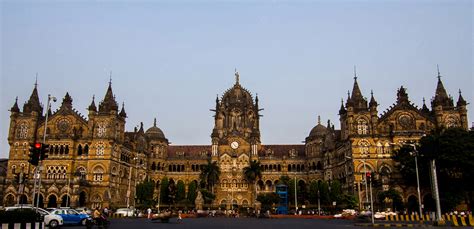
(318, 130)
(154, 132)
(237, 95)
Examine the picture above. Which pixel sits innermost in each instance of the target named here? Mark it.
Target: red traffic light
(38, 145)
(367, 174)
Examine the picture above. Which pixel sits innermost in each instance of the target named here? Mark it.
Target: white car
(126, 212)
(51, 220)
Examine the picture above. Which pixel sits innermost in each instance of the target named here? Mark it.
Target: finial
(348, 94)
(36, 80)
(459, 91)
(93, 98)
(110, 78)
(439, 74)
(355, 73)
(423, 100)
(236, 76)
(342, 100)
(16, 99)
(319, 119)
(123, 105)
(154, 123)
(372, 93)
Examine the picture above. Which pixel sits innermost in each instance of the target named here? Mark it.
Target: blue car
(71, 216)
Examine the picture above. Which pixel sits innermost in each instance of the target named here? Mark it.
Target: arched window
(364, 147)
(100, 148)
(362, 127)
(79, 150)
(81, 171)
(98, 173)
(86, 149)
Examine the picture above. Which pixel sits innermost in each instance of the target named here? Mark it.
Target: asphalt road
(231, 223)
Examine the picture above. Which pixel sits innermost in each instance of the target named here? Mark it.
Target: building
(93, 161)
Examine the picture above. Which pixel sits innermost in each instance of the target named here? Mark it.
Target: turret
(33, 104)
(14, 110)
(108, 105)
(122, 113)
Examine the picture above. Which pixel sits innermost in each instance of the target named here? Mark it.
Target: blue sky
(169, 59)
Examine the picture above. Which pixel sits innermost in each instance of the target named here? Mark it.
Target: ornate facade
(94, 162)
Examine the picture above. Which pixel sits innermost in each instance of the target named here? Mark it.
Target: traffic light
(367, 174)
(35, 153)
(44, 151)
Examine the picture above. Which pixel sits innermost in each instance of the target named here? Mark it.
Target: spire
(92, 107)
(461, 101)
(441, 96)
(15, 106)
(237, 76)
(256, 100)
(342, 110)
(141, 128)
(33, 103)
(356, 98)
(109, 103)
(67, 101)
(319, 120)
(122, 112)
(425, 108)
(154, 122)
(372, 102)
(329, 124)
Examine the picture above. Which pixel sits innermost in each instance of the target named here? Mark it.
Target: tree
(324, 194)
(267, 200)
(210, 174)
(313, 192)
(144, 192)
(453, 151)
(180, 191)
(164, 191)
(392, 196)
(192, 194)
(252, 173)
(336, 191)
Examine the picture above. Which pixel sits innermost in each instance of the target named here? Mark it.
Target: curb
(390, 225)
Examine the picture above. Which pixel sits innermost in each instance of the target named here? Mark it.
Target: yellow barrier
(412, 217)
(471, 220)
(417, 217)
(391, 217)
(402, 218)
(455, 221)
(427, 217)
(386, 217)
(397, 218)
(463, 221)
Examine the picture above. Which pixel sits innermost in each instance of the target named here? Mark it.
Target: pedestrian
(179, 217)
(97, 216)
(149, 213)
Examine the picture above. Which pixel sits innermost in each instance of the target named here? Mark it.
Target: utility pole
(435, 191)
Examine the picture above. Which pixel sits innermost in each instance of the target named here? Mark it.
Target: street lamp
(415, 153)
(37, 174)
(129, 183)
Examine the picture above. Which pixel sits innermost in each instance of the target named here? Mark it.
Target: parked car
(126, 212)
(51, 220)
(71, 216)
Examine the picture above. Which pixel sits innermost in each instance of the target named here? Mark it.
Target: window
(56, 172)
(362, 127)
(100, 148)
(98, 174)
(364, 147)
(82, 173)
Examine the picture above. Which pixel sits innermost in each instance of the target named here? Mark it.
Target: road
(230, 223)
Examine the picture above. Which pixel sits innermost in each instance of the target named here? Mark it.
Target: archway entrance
(66, 201)
(9, 200)
(52, 201)
(412, 204)
(429, 204)
(23, 199)
(41, 201)
(82, 199)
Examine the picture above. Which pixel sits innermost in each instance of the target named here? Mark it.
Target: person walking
(179, 217)
(149, 213)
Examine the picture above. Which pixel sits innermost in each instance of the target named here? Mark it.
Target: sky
(169, 59)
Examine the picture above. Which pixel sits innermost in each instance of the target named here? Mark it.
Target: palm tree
(252, 173)
(210, 174)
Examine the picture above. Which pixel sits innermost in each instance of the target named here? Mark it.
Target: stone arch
(65, 200)
(361, 168)
(23, 199)
(260, 185)
(245, 203)
(41, 200)
(96, 201)
(52, 201)
(268, 185)
(9, 200)
(82, 199)
(412, 204)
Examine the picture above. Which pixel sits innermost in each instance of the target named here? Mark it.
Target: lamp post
(434, 182)
(415, 153)
(319, 203)
(37, 174)
(296, 199)
(371, 199)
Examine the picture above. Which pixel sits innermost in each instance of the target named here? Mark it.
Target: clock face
(234, 145)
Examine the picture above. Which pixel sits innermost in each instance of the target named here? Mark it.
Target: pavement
(240, 223)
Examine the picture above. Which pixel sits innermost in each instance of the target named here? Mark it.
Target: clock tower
(235, 141)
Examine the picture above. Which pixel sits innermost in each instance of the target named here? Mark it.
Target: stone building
(94, 162)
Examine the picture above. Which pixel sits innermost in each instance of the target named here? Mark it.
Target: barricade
(37, 225)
